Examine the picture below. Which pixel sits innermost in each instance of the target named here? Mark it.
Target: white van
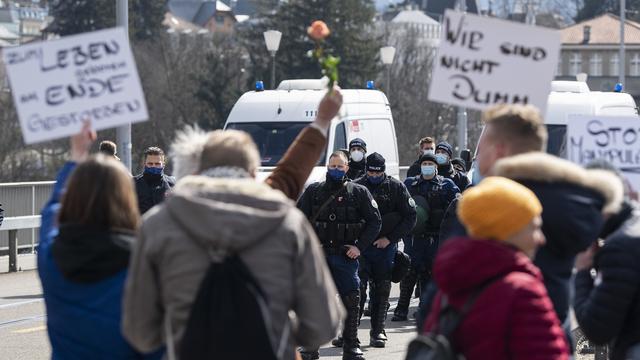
(275, 117)
(575, 98)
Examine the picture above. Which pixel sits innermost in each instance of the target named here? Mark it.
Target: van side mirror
(467, 157)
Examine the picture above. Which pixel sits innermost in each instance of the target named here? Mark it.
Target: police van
(568, 98)
(275, 117)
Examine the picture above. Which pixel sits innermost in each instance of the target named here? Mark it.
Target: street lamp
(387, 54)
(272, 39)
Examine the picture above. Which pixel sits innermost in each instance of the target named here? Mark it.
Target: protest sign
(614, 139)
(57, 84)
(483, 61)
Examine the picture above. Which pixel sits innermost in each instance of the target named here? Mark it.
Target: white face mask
(357, 155)
(428, 152)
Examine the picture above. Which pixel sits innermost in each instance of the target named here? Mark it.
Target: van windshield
(273, 138)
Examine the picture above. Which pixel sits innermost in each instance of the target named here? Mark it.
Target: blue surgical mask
(442, 159)
(428, 170)
(375, 180)
(153, 170)
(336, 174)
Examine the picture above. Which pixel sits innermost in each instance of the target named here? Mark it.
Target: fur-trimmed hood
(542, 167)
(201, 204)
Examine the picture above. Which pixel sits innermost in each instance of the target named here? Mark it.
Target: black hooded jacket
(610, 312)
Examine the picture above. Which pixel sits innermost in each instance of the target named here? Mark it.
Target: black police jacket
(396, 206)
(449, 172)
(438, 192)
(352, 205)
(414, 169)
(152, 190)
(356, 169)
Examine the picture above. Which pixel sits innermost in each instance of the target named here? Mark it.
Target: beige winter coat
(272, 237)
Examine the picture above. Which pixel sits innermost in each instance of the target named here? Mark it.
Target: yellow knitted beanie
(497, 208)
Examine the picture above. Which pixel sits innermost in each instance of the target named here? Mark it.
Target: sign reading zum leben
(483, 61)
(58, 84)
(614, 139)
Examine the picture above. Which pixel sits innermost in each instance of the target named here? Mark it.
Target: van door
(380, 136)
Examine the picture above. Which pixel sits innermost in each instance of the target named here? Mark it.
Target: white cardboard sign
(57, 84)
(614, 139)
(483, 61)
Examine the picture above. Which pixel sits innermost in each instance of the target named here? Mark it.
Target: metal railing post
(13, 250)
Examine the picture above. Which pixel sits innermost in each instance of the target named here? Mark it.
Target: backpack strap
(326, 203)
(449, 318)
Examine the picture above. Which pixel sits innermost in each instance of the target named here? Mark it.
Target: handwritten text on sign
(483, 61)
(57, 84)
(614, 139)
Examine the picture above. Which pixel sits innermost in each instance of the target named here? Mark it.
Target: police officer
(432, 194)
(153, 185)
(444, 152)
(398, 212)
(358, 163)
(346, 219)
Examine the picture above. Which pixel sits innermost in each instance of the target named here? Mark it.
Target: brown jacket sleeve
(296, 165)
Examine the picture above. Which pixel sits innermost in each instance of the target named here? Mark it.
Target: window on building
(635, 65)
(575, 63)
(220, 19)
(559, 69)
(614, 65)
(595, 65)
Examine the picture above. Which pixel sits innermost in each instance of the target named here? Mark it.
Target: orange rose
(318, 30)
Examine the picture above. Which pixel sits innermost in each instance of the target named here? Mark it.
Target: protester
(357, 159)
(511, 316)
(574, 199)
(460, 166)
(213, 210)
(426, 145)
(346, 218)
(607, 307)
(398, 213)
(432, 194)
(444, 153)
(108, 148)
(153, 185)
(83, 255)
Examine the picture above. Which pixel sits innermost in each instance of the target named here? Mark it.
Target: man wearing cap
(357, 161)
(398, 212)
(444, 153)
(432, 194)
(346, 218)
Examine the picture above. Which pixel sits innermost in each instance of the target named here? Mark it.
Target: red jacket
(512, 318)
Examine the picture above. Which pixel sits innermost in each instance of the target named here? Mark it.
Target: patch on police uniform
(374, 204)
(412, 202)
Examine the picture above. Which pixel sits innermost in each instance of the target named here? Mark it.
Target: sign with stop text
(613, 139)
(58, 84)
(483, 61)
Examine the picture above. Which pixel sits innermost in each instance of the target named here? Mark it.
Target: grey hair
(186, 150)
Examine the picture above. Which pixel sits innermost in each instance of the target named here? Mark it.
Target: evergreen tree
(351, 39)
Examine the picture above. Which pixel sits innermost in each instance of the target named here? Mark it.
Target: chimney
(587, 34)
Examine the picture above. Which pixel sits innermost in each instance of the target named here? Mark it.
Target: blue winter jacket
(83, 320)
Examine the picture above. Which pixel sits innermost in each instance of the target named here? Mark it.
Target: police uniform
(357, 169)
(448, 171)
(398, 212)
(432, 198)
(343, 213)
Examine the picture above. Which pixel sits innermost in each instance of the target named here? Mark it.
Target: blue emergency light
(371, 85)
(618, 87)
(259, 86)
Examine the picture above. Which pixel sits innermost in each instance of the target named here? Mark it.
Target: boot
(372, 294)
(338, 342)
(309, 354)
(379, 314)
(406, 289)
(363, 298)
(351, 348)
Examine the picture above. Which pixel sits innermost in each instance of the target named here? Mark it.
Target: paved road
(24, 336)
